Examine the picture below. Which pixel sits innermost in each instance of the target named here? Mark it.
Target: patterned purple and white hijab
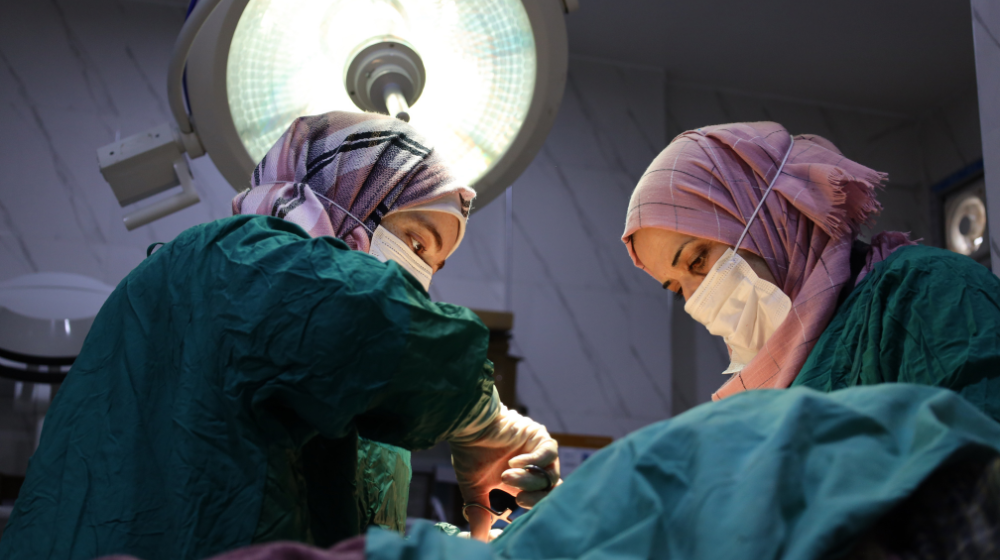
(369, 164)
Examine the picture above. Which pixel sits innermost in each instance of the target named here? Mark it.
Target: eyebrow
(677, 256)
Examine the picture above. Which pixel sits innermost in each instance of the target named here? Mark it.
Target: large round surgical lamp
(482, 79)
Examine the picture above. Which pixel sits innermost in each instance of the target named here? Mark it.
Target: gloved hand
(492, 458)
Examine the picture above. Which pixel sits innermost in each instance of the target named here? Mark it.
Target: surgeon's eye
(418, 248)
(697, 263)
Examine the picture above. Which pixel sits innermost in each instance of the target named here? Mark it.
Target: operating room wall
(593, 331)
(950, 141)
(604, 349)
(986, 29)
(73, 75)
(949, 134)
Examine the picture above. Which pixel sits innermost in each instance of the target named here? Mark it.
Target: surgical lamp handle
(182, 49)
(396, 103)
(187, 197)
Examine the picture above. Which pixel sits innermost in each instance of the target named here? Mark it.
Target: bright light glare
(287, 60)
(970, 211)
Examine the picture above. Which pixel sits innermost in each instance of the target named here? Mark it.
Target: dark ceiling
(898, 56)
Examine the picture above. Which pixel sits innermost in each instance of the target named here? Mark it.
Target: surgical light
(386, 76)
(966, 223)
(482, 79)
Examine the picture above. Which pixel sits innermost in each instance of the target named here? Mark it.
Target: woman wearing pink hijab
(757, 231)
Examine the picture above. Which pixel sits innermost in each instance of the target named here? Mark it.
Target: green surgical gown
(795, 474)
(923, 315)
(247, 383)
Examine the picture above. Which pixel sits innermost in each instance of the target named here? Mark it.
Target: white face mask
(736, 304)
(387, 247)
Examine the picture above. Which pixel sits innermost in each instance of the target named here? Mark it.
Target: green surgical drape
(247, 383)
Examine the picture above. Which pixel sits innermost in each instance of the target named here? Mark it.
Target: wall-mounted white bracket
(149, 163)
(187, 197)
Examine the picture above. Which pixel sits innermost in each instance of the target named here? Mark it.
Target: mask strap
(768, 191)
(344, 210)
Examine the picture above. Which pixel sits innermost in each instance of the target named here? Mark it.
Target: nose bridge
(689, 284)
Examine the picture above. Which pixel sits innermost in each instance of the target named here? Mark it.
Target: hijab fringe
(853, 202)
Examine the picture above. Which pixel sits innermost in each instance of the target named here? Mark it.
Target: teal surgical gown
(923, 315)
(247, 383)
(795, 474)
(799, 473)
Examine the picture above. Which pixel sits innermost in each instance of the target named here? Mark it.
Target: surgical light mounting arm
(151, 162)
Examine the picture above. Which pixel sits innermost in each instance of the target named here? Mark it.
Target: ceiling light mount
(387, 76)
(244, 70)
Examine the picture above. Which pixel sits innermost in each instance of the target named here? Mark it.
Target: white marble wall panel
(73, 75)
(950, 136)
(626, 119)
(962, 114)
(475, 276)
(712, 358)
(593, 331)
(986, 30)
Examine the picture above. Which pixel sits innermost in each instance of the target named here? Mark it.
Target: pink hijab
(367, 163)
(707, 182)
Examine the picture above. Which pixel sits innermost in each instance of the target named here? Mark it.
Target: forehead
(654, 240)
(439, 221)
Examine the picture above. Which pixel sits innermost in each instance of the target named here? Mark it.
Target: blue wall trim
(962, 175)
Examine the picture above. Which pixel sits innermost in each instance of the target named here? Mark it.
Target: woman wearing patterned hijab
(262, 377)
(326, 171)
(803, 302)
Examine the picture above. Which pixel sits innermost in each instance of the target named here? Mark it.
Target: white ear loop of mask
(344, 210)
(760, 204)
(736, 304)
(385, 246)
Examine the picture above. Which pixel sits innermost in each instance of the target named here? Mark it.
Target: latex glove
(492, 459)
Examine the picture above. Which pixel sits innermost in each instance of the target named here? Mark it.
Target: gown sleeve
(331, 339)
(925, 316)
(941, 327)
